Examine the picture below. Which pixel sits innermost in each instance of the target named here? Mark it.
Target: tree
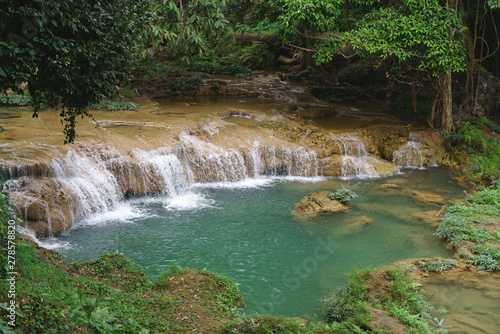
(71, 53)
(186, 27)
(419, 35)
(302, 20)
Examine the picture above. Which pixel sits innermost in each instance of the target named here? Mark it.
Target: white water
(355, 160)
(96, 179)
(411, 153)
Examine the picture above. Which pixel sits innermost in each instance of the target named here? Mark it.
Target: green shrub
(480, 154)
(391, 290)
(475, 221)
(436, 266)
(18, 100)
(343, 195)
(116, 105)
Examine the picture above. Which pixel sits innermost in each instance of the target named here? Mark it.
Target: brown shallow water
(470, 310)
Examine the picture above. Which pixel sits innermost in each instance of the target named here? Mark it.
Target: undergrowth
(436, 266)
(475, 150)
(116, 105)
(17, 100)
(473, 227)
(354, 308)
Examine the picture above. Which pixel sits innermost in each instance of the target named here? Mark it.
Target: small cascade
(143, 172)
(355, 160)
(87, 176)
(410, 154)
(93, 179)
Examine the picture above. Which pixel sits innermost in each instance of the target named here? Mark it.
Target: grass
(390, 292)
(473, 228)
(111, 295)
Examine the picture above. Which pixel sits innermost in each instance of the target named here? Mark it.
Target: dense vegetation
(72, 54)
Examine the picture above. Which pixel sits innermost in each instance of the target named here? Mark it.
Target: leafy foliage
(116, 105)
(391, 290)
(475, 221)
(480, 153)
(18, 100)
(305, 17)
(422, 33)
(71, 54)
(343, 195)
(185, 28)
(435, 266)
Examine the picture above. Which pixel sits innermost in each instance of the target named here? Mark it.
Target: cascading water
(410, 154)
(355, 160)
(96, 179)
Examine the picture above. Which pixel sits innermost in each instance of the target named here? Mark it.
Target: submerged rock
(356, 223)
(427, 198)
(432, 218)
(388, 187)
(317, 203)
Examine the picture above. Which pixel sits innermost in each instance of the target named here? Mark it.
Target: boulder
(46, 207)
(384, 323)
(318, 203)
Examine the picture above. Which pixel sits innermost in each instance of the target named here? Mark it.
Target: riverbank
(111, 293)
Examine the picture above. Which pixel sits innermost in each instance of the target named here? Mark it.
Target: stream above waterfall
(245, 230)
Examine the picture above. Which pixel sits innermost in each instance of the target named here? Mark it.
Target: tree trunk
(446, 96)
(414, 98)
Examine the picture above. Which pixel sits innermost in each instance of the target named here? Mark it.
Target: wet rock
(468, 295)
(318, 203)
(383, 322)
(384, 168)
(46, 207)
(386, 152)
(331, 166)
(427, 198)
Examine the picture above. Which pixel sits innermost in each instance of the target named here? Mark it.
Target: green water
(245, 230)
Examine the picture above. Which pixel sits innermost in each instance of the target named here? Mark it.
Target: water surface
(245, 230)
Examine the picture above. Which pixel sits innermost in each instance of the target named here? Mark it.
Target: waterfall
(355, 160)
(410, 154)
(95, 178)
